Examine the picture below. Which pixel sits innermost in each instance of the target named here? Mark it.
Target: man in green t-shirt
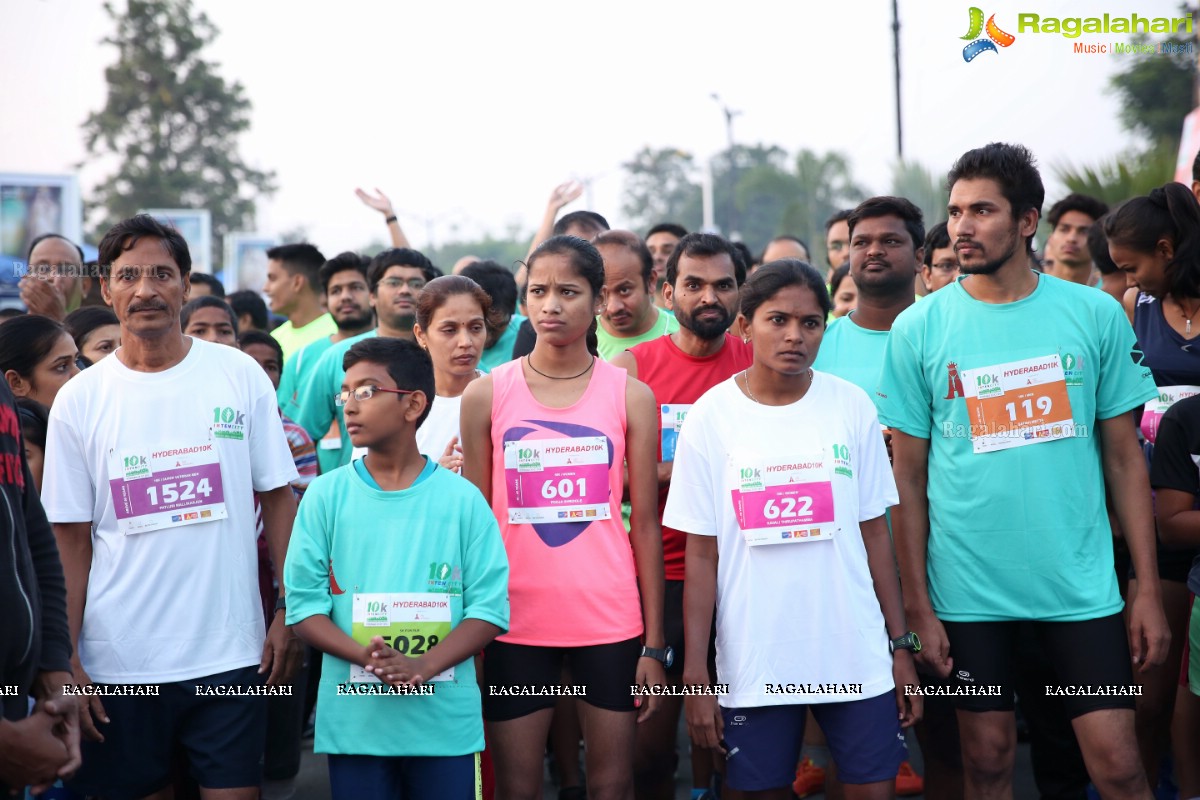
(1011, 397)
(344, 281)
(294, 291)
(630, 316)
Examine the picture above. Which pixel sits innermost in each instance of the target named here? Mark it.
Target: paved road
(313, 783)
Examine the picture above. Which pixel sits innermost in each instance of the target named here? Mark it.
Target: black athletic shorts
(223, 735)
(516, 676)
(673, 630)
(1090, 660)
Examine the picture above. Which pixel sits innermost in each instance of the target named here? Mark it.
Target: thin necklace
(529, 361)
(1186, 317)
(746, 380)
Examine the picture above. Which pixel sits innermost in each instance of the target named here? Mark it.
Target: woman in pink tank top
(545, 438)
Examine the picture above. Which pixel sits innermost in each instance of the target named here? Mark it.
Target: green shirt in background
(853, 353)
(609, 345)
(293, 340)
(501, 351)
(295, 374)
(316, 410)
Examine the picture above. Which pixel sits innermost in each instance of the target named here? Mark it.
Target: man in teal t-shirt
(343, 279)
(398, 573)
(630, 316)
(1011, 395)
(886, 247)
(396, 278)
(501, 286)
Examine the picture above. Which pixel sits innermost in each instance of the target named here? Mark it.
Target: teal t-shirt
(316, 410)
(852, 353)
(501, 351)
(361, 469)
(1018, 533)
(608, 345)
(437, 540)
(295, 374)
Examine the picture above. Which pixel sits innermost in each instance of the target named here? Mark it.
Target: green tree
(507, 251)
(171, 122)
(1154, 94)
(1122, 177)
(825, 184)
(659, 187)
(752, 189)
(926, 191)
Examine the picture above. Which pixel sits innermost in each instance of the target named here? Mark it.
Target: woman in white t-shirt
(453, 315)
(781, 480)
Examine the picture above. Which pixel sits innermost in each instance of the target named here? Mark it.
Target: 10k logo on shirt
(229, 423)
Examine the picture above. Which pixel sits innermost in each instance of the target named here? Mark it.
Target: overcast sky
(468, 113)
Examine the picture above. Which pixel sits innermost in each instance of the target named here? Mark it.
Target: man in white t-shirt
(152, 463)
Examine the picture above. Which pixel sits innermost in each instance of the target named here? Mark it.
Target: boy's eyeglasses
(365, 393)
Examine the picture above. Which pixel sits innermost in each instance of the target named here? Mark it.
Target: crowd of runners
(941, 490)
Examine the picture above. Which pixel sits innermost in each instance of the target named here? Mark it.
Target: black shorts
(1090, 660)
(1173, 565)
(515, 676)
(223, 737)
(673, 630)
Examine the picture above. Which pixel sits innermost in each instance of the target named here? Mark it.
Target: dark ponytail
(593, 341)
(1169, 212)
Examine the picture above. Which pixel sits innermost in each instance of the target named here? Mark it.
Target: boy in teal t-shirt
(397, 572)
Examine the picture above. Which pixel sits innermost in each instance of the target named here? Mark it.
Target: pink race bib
(166, 488)
(557, 480)
(784, 502)
(1168, 396)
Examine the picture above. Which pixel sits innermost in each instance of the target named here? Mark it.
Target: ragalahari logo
(995, 36)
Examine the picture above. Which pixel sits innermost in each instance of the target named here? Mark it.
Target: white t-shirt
(436, 431)
(800, 611)
(156, 451)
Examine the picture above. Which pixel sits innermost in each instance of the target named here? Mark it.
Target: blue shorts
(405, 777)
(222, 736)
(864, 738)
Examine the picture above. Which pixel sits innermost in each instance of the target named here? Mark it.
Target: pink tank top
(556, 492)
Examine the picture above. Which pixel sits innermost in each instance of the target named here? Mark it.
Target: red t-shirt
(677, 380)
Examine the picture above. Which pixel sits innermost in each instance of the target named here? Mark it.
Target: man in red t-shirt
(703, 275)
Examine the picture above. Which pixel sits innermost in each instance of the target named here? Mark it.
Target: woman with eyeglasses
(37, 356)
(453, 316)
(1155, 241)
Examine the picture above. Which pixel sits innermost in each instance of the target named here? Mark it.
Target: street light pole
(896, 55)
(729, 115)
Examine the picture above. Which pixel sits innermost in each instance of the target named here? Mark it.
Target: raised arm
(563, 194)
(380, 202)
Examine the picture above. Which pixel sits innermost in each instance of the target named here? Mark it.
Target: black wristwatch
(280, 605)
(908, 641)
(666, 655)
